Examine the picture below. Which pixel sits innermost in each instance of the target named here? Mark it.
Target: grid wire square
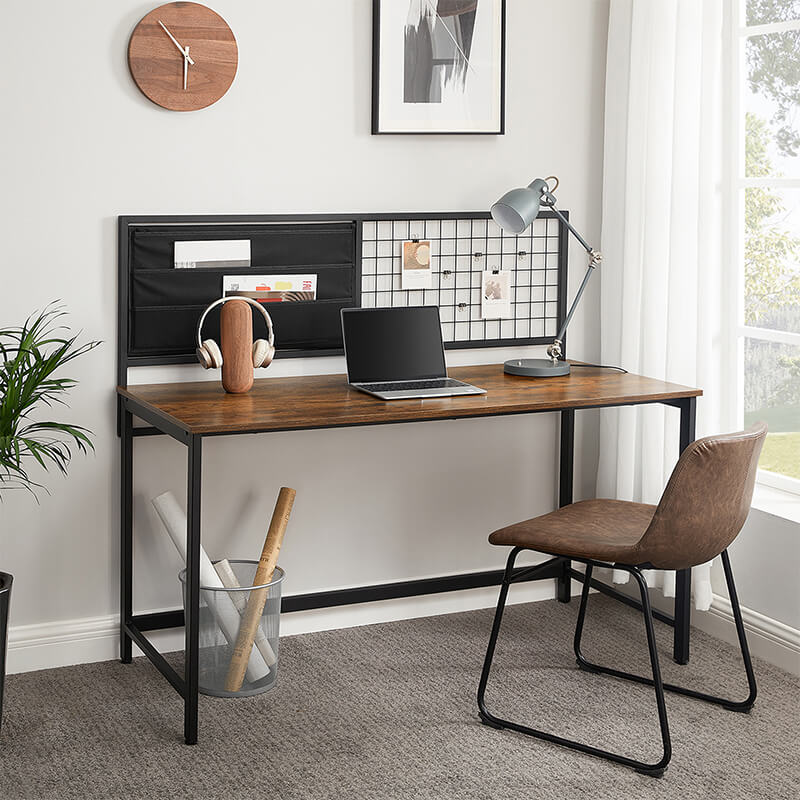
(448, 331)
(550, 327)
(446, 313)
(368, 300)
(464, 246)
(400, 229)
(384, 230)
(537, 328)
(368, 249)
(447, 247)
(507, 328)
(523, 328)
(433, 228)
(462, 331)
(368, 266)
(448, 229)
(368, 231)
(478, 228)
(492, 329)
(416, 230)
(476, 330)
(385, 249)
(494, 246)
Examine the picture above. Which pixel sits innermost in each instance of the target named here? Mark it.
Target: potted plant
(29, 357)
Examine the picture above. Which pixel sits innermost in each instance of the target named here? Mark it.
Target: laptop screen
(393, 344)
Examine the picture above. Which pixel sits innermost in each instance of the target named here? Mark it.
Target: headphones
(208, 352)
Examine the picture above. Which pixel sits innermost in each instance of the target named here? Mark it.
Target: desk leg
(683, 581)
(126, 534)
(192, 602)
(565, 491)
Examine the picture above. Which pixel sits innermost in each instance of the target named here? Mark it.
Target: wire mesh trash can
(5, 600)
(221, 611)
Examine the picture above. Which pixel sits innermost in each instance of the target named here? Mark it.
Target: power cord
(600, 366)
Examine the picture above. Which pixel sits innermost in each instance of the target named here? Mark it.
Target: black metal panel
(137, 314)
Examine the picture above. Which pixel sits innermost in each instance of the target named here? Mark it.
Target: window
(766, 111)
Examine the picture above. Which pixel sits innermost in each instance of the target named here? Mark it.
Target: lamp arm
(550, 203)
(595, 257)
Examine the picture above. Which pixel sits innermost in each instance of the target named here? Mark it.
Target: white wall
(81, 145)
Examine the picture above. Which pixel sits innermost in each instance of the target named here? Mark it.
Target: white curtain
(662, 240)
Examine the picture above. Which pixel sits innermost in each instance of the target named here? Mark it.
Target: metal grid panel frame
(462, 248)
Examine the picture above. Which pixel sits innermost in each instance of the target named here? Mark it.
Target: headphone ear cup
(269, 356)
(260, 351)
(202, 357)
(213, 353)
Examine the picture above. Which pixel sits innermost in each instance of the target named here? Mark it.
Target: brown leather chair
(701, 512)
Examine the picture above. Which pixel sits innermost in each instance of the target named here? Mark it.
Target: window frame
(738, 184)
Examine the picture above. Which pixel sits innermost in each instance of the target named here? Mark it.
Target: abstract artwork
(438, 66)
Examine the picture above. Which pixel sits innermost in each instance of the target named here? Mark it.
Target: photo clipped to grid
(462, 252)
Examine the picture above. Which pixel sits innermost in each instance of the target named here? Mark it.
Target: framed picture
(438, 66)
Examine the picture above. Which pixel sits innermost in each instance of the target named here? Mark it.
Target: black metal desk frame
(134, 627)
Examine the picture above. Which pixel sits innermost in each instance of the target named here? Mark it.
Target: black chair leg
(490, 719)
(486, 717)
(731, 705)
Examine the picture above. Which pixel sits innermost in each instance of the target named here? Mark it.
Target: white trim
(770, 181)
(775, 501)
(768, 335)
(775, 480)
(768, 638)
(82, 641)
(769, 27)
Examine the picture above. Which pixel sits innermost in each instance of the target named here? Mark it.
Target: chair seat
(604, 530)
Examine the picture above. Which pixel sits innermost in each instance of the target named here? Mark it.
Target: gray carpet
(388, 711)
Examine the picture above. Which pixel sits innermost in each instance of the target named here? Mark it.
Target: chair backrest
(706, 501)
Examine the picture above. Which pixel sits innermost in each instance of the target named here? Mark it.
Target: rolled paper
(230, 581)
(258, 597)
(221, 606)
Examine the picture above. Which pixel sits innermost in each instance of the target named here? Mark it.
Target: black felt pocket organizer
(165, 303)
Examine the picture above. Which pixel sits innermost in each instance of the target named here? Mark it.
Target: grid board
(461, 249)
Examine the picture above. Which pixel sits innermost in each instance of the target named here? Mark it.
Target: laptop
(398, 353)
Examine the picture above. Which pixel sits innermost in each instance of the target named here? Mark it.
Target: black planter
(5, 599)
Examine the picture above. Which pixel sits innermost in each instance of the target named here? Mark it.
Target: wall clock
(183, 56)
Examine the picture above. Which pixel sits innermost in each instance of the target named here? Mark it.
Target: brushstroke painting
(438, 66)
(438, 41)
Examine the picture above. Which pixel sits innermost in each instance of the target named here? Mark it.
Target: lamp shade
(516, 209)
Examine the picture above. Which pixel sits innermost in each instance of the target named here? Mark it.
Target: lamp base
(535, 367)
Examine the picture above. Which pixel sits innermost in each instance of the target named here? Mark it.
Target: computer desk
(189, 412)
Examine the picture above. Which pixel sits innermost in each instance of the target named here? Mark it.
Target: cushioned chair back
(706, 501)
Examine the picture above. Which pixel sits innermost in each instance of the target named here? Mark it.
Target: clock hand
(184, 53)
(185, 66)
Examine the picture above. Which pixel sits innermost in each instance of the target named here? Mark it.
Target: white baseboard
(82, 641)
(768, 639)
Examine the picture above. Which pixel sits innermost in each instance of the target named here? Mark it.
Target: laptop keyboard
(433, 383)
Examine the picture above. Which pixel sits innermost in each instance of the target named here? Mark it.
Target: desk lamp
(513, 212)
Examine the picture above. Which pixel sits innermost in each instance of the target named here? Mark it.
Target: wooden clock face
(183, 56)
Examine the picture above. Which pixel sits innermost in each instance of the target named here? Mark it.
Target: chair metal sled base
(658, 768)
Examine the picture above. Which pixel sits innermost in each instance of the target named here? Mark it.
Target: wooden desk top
(325, 401)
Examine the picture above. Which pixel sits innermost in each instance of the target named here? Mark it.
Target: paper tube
(222, 607)
(257, 599)
(229, 581)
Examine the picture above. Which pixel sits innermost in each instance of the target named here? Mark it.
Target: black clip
(477, 255)
(522, 253)
(447, 272)
(462, 306)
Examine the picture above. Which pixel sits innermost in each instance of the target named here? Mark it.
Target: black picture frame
(383, 127)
